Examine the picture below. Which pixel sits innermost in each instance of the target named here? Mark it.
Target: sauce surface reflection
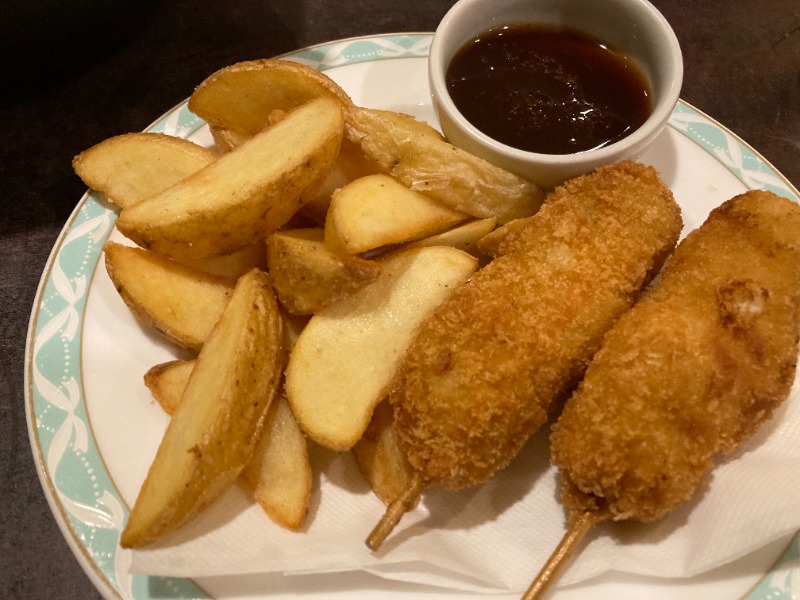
(548, 89)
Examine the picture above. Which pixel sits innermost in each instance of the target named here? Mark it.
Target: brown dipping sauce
(548, 89)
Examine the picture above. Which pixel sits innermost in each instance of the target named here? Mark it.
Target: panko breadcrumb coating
(692, 370)
(480, 374)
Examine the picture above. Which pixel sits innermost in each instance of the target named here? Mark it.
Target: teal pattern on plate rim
(84, 500)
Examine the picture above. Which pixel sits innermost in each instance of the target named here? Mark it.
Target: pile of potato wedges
(292, 261)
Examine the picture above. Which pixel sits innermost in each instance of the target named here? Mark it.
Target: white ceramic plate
(86, 435)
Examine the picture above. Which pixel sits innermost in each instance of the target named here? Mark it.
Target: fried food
(214, 431)
(380, 459)
(690, 372)
(244, 195)
(167, 382)
(232, 265)
(181, 302)
(415, 155)
(279, 472)
(376, 210)
(133, 166)
(346, 356)
(464, 237)
(480, 375)
(308, 277)
(240, 98)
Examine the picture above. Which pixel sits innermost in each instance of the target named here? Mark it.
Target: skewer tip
(580, 525)
(395, 511)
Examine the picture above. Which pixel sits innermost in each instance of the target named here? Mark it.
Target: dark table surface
(81, 74)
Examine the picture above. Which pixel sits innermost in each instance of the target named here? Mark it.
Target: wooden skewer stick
(395, 511)
(578, 528)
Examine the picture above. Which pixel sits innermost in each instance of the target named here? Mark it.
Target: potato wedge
(244, 195)
(167, 382)
(227, 139)
(345, 358)
(379, 457)
(307, 276)
(130, 167)
(181, 302)
(464, 237)
(350, 165)
(377, 210)
(232, 265)
(429, 165)
(279, 473)
(241, 97)
(401, 123)
(214, 432)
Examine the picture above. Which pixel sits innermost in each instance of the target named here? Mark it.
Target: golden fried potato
(293, 325)
(227, 139)
(181, 302)
(379, 457)
(244, 195)
(377, 210)
(400, 123)
(351, 164)
(342, 363)
(464, 237)
(307, 276)
(279, 474)
(232, 265)
(130, 167)
(240, 98)
(167, 382)
(215, 429)
(428, 164)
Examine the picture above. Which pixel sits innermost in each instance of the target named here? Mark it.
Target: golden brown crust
(479, 377)
(692, 370)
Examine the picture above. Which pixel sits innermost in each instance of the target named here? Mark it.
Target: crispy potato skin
(181, 302)
(343, 362)
(692, 370)
(483, 369)
(130, 167)
(214, 430)
(241, 97)
(308, 277)
(379, 457)
(167, 382)
(239, 199)
(417, 156)
(279, 475)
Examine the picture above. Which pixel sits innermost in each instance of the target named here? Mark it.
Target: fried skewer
(690, 372)
(483, 369)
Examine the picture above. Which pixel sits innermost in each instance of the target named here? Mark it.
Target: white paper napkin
(496, 536)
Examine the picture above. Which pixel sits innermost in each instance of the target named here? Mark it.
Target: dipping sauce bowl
(634, 29)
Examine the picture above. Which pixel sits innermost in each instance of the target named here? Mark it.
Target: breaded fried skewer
(482, 371)
(690, 372)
